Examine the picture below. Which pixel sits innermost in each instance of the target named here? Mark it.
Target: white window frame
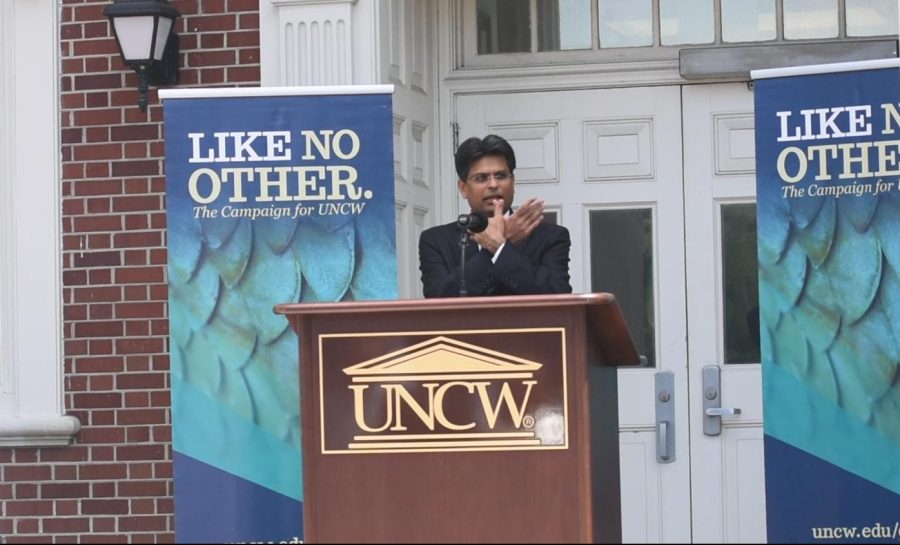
(31, 363)
(468, 57)
(471, 59)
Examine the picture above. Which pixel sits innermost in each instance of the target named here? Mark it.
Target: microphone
(467, 223)
(475, 222)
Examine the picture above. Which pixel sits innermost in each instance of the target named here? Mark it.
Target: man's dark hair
(475, 148)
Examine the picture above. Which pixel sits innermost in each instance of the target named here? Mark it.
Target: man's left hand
(523, 221)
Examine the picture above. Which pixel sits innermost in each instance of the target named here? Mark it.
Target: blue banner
(270, 199)
(828, 202)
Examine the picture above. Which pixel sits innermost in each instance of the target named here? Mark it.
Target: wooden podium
(484, 419)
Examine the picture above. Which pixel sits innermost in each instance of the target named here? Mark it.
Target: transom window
(538, 31)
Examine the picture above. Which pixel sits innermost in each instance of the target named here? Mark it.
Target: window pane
(564, 24)
(740, 285)
(622, 264)
(804, 19)
(626, 23)
(748, 20)
(686, 22)
(871, 17)
(504, 26)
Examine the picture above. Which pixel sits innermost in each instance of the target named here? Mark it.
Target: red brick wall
(114, 484)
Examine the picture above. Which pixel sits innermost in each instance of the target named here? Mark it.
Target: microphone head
(474, 222)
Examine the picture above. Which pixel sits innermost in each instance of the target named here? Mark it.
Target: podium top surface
(604, 317)
(493, 302)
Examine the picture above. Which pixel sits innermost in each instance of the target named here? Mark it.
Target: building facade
(106, 207)
(634, 124)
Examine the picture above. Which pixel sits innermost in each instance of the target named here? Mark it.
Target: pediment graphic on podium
(443, 356)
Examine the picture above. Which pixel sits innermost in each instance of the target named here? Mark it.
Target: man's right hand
(494, 235)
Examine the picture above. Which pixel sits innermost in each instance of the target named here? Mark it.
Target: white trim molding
(38, 431)
(32, 412)
(231, 92)
(312, 44)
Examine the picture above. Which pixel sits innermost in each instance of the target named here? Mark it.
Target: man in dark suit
(516, 254)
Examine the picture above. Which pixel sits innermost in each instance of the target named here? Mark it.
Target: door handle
(662, 442)
(713, 411)
(722, 411)
(665, 416)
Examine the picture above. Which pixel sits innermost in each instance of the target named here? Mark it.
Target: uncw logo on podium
(452, 391)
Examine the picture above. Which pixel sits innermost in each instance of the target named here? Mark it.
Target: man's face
(489, 181)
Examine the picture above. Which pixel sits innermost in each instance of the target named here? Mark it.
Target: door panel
(728, 498)
(638, 461)
(594, 151)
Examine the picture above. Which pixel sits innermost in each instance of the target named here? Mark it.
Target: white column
(32, 412)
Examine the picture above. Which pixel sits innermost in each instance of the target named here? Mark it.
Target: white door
(604, 160)
(728, 488)
(611, 167)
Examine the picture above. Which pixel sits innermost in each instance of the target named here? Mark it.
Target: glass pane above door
(687, 22)
(806, 19)
(564, 24)
(748, 20)
(871, 17)
(504, 26)
(626, 23)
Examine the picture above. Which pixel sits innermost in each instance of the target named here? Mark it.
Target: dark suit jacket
(540, 264)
